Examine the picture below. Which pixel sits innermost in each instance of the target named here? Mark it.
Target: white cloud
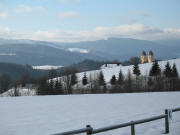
(5, 32)
(68, 15)
(140, 13)
(68, 1)
(3, 15)
(136, 31)
(27, 9)
(127, 20)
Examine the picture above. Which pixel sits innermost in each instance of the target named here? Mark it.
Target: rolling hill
(124, 48)
(109, 72)
(15, 71)
(37, 53)
(40, 55)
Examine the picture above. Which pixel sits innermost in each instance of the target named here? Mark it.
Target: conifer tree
(58, 87)
(136, 70)
(51, 87)
(52, 74)
(168, 70)
(101, 80)
(150, 82)
(129, 81)
(113, 80)
(175, 80)
(174, 71)
(155, 70)
(73, 79)
(84, 79)
(120, 78)
(43, 86)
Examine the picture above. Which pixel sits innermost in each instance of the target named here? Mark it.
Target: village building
(110, 65)
(150, 57)
(145, 59)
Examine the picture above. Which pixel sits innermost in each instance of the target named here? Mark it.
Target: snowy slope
(145, 68)
(46, 67)
(45, 115)
(79, 50)
(21, 92)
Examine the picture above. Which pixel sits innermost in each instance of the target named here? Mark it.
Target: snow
(79, 50)
(46, 67)
(145, 68)
(47, 115)
(22, 91)
(7, 54)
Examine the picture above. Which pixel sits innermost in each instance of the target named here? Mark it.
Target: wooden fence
(89, 130)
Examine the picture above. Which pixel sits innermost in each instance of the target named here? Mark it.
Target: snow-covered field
(145, 68)
(79, 50)
(46, 67)
(21, 92)
(45, 115)
(7, 54)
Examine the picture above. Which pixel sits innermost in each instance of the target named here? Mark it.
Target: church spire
(150, 57)
(143, 57)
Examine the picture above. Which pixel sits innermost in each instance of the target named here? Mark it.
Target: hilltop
(39, 53)
(144, 68)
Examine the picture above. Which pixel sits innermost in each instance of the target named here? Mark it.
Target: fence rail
(89, 130)
(83, 130)
(176, 109)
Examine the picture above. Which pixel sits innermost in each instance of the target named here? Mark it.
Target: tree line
(67, 82)
(15, 75)
(156, 80)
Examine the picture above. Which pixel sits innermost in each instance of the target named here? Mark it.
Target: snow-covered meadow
(144, 68)
(20, 91)
(46, 115)
(47, 67)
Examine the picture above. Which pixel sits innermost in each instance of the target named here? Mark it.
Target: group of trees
(163, 80)
(157, 80)
(49, 87)
(13, 75)
(5, 82)
(66, 81)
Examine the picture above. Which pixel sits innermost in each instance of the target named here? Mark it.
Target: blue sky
(77, 20)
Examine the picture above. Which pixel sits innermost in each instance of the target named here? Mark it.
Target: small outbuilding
(111, 65)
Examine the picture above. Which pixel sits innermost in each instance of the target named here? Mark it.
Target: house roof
(112, 63)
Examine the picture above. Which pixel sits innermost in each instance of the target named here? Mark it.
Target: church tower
(150, 57)
(143, 57)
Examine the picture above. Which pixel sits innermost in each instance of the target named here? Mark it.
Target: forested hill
(38, 53)
(15, 71)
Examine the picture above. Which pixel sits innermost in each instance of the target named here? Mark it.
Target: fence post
(166, 122)
(132, 128)
(90, 131)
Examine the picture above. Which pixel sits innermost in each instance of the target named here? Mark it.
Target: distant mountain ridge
(124, 48)
(38, 53)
